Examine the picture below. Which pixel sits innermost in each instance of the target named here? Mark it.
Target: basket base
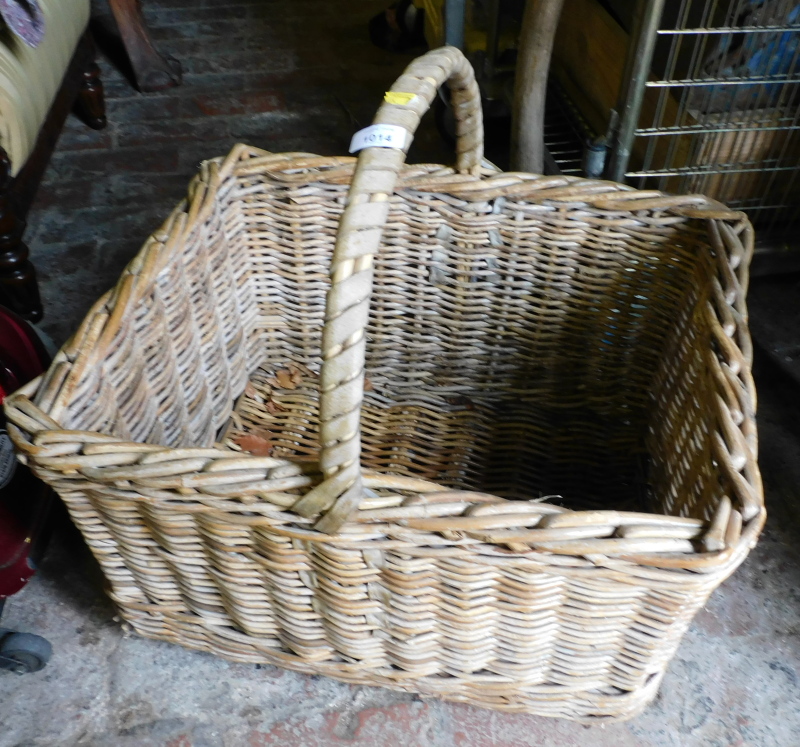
(503, 444)
(477, 689)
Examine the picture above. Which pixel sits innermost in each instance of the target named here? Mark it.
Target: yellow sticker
(398, 97)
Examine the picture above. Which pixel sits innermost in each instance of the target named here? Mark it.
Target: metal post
(640, 57)
(539, 25)
(492, 36)
(454, 21)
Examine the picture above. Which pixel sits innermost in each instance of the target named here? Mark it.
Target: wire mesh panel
(720, 109)
(566, 133)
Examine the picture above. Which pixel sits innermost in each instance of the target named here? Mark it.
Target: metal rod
(539, 24)
(728, 30)
(644, 40)
(664, 96)
(454, 21)
(711, 170)
(781, 78)
(704, 130)
(492, 36)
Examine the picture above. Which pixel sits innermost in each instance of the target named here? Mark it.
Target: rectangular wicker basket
(533, 399)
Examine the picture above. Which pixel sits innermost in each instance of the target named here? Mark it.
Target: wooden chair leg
(153, 71)
(18, 287)
(90, 105)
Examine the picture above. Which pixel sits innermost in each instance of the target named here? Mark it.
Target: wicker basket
(575, 345)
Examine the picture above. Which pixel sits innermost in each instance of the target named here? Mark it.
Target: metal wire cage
(711, 104)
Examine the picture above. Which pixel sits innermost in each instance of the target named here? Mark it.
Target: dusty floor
(301, 75)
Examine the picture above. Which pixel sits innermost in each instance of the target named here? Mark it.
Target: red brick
(128, 109)
(210, 47)
(65, 194)
(143, 160)
(64, 259)
(173, 4)
(476, 727)
(227, 26)
(77, 136)
(143, 189)
(227, 61)
(399, 725)
(180, 741)
(86, 163)
(249, 102)
(169, 130)
(166, 16)
(226, 83)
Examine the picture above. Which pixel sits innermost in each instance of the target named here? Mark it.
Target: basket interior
(515, 347)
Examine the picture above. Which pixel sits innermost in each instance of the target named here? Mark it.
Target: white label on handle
(379, 136)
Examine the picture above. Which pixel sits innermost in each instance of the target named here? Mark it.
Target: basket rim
(489, 183)
(443, 521)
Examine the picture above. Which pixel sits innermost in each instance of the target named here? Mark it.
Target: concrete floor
(290, 75)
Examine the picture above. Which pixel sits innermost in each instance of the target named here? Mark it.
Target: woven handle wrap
(357, 241)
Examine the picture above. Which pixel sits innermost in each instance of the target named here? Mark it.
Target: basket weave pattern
(522, 337)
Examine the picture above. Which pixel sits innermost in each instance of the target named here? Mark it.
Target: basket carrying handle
(357, 241)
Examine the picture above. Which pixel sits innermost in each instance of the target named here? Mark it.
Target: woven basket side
(511, 343)
(288, 229)
(682, 474)
(578, 639)
(702, 436)
(177, 335)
